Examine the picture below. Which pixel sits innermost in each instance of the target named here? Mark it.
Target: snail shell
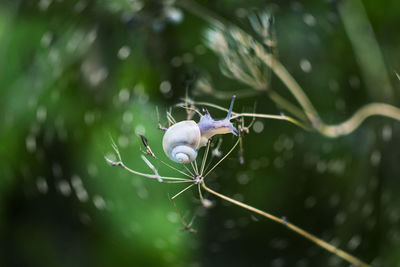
(181, 141)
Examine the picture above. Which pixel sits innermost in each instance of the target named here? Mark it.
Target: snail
(182, 140)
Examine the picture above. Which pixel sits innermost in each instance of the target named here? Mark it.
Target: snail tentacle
(182, 140)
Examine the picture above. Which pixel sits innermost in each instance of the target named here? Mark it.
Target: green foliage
(75, 73)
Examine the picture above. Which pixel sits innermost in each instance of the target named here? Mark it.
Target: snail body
(183, 139)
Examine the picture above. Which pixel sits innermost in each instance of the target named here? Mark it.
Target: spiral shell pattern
(181, 141)
(183, 154)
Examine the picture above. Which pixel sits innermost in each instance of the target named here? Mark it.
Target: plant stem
(285, 104)
(351, 124)
(340, 253)
(222, 159)
(150, 176)
(308, 110)
(294, 88)
(256, 115)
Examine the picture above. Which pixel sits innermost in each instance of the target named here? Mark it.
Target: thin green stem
(348, 126)
(308, 110)
(194, 169)
(288, 106)
(183, 190)
(256, 115)
(269, 60)
(178, 182)
(200, 194)
(187, 169)
(340, 253)
(224, 157)
(197, 168)
(294, 88)
(150, 176)
(187, 226)
(275, 117)
(203, 163)
(173, 168)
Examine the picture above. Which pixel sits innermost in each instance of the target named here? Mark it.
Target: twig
(150, 176)
(348, 126)
(183, 190)
(239, 35)
(224, 157)
(151, 166)
(340, 253)
(185, 225)
(255, 115)
(151, 153)
(203, 162)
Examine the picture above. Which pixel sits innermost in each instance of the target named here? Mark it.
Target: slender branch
(185, 225)
(294, 88)
(197, 168)
(340, 253)
(194, 168)
(173, 168)
(269, 60)
(183, 190)
(203, 163)
(344, 128)
(348, 126)
(287, 105)
(150, 176)
(151, 166)
(334, 130)
(256, 115)
(224, 157)
(200, 194)
(275, 117)
(187, 169)
(178, 182)
(366, 49)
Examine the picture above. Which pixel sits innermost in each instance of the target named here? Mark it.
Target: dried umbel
(182, 140)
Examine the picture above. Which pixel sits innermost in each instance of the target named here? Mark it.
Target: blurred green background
(73, 73)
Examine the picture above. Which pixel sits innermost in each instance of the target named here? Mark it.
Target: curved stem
(203, 163)
(222, 159)
(287, 105)
(344, 128)
(340, 253)
(294, 88)
(183, 190)
(276, 117)
(150, 176)
(348, 126)
(173, 168)
(333, 130)
(187, 226)
(256, 115)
